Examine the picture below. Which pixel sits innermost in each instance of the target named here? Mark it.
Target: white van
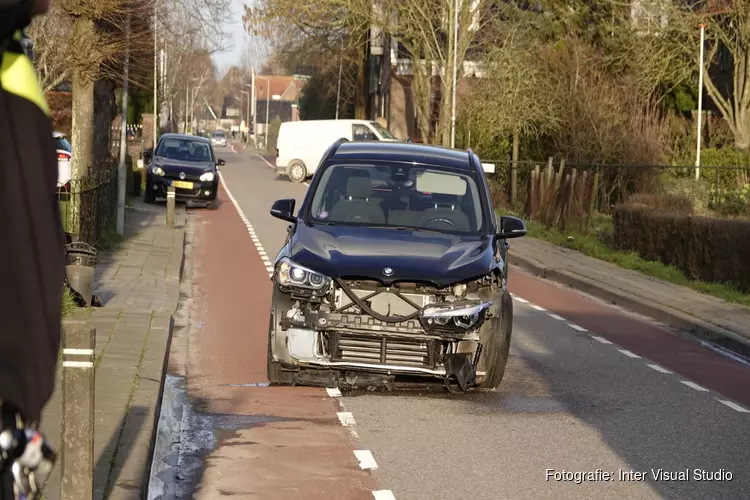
(301, 144)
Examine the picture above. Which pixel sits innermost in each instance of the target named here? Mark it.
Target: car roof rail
(333, 148)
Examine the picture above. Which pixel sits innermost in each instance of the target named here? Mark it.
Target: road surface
(595, 403)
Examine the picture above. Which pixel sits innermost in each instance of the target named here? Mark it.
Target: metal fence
(88, 203)
(615, 183)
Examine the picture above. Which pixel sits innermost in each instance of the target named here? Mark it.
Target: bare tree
(50, 34)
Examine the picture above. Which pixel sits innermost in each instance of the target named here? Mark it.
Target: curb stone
(642, 305)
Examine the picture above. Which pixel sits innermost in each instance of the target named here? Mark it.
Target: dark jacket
(32, 266)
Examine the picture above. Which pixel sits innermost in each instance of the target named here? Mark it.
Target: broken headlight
(289, 274)
(454, 316)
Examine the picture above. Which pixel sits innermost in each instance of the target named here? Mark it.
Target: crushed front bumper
(357, 342)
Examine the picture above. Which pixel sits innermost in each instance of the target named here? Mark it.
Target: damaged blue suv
(394, 268)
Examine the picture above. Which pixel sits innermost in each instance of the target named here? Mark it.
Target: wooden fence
(562, 199)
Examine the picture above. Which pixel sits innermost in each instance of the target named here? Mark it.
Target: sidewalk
(139, 287)
(680, 307)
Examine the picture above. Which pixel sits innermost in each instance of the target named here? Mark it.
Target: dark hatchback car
(394, 267)
(186, 162)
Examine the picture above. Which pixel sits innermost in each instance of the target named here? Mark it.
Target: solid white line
(333, 392)
(519, 299)
(733, 406)
(600, 339)
(383, 495)
(555, 316)
(346, 418)
(78, 364)
(366, 460)
(659, 369)
(693, 385)
(267, 162)
(628, 353)
(576, 327)
(538, 308)
(82, 352)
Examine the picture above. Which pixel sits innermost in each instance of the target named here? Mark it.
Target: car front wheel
(495, 336)
(297, 171)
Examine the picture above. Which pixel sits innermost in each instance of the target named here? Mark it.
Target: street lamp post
(268, 100)
(122, 169)
(700, 107)
(455, 71)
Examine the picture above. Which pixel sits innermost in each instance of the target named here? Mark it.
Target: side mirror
(284, 209)
(148, 155)
(220, 162)
(511, 227)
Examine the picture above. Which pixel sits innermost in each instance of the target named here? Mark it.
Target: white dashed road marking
(383, 495)
(346, 418)
(576, 327)
(333, 392)
(538, 308)
(600, 339)
(628, 353)
(659, 369)
(366, 460)
(693, 385)
(250, 229)
(555, 316)
(733, 406)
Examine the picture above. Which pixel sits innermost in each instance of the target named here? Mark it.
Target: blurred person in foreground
(32, 266)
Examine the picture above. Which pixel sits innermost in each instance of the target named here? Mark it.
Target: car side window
(363, 133)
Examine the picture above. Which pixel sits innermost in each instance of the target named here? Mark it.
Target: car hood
(413, 255)
(189, 167)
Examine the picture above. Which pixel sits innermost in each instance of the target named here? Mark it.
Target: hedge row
(703, 248)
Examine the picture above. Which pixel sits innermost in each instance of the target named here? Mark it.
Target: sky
(224, 60)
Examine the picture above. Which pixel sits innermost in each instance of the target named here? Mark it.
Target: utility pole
(455, 71)
(700, 107)
(156, 75)
(187, 100)
(255, 109)
(338, 90)
(122, 170)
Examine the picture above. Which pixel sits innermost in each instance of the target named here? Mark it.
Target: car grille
(188, 177)
(382, 350)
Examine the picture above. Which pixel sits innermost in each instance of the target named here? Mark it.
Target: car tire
(495, 336)
(276, 375)
(213, 204)
(296, 171)
(148, 195)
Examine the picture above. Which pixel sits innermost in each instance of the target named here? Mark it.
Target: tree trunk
(82, 125)
(105, 110)
(742, 130)
(360, 92)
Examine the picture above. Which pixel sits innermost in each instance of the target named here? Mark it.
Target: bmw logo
(388, 271)
(182, 175)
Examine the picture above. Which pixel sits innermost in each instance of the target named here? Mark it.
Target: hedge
(703, 248)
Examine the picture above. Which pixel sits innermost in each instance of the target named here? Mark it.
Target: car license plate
(182, 184)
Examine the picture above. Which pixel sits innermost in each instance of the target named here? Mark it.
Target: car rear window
(219, 134)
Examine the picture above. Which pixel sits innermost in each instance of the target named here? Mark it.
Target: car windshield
(219, 133)
(62, 143)
(381, 130)
(185, 150)
(398, 195)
